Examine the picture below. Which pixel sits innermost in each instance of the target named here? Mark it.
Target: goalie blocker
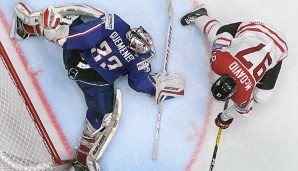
(168, 86)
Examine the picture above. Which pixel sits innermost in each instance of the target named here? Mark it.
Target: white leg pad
(110, 125)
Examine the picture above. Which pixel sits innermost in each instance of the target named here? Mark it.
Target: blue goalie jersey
(104, 48)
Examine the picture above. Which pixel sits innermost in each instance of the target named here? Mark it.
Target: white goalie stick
(165, 69)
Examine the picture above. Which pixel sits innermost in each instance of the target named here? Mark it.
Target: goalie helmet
(139, 40)
(224, 88)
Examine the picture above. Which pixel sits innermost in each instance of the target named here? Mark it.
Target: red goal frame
(30, 107)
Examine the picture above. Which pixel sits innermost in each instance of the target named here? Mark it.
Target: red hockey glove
(221, 123)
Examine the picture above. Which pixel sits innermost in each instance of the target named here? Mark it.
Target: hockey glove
(221, 123)
(54, 27)
(168, 86)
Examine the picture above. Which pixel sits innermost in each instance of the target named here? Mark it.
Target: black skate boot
(190, 17)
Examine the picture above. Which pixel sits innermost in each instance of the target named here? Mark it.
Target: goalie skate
(94, 143)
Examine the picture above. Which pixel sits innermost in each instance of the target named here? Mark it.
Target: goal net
(24, 142)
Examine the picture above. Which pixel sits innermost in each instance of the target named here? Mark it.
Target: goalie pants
(99, 100)
(98, 94)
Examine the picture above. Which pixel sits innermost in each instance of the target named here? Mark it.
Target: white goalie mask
(139, 40)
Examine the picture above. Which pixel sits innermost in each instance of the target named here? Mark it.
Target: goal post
(24, 141)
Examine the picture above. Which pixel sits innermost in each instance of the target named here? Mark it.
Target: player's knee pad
(261, 96)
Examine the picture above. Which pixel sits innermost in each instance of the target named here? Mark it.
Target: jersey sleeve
(139, 77)
(86, 35)
(243, 109)
(222, 42)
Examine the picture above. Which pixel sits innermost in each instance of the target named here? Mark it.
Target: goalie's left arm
(52, 23)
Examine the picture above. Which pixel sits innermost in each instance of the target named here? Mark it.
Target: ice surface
(264, 141)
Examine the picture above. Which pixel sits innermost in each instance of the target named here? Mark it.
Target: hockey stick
(165, 69)
(217, 141)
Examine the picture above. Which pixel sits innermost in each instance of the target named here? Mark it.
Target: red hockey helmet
(224, 88)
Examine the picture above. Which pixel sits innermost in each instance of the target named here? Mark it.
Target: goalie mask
(139, 40)
(224, 88)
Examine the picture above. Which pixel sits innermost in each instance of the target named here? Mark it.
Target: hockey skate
(190, 17)
(94, 142)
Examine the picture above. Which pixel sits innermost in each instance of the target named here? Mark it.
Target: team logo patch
(109, 25)
(217, 46)
(142, 65)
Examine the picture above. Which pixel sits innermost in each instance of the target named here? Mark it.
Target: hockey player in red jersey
(246, 55)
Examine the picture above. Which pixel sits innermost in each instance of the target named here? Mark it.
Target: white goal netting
(22, 144)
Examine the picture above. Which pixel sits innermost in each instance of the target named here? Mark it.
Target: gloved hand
(168, 85)
(221, 123)
(53, 26)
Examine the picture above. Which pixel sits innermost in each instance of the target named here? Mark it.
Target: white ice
(266, 140)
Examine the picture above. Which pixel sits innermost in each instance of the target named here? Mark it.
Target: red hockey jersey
(255, 49)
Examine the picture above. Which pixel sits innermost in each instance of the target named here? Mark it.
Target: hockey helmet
(224, 88)
(139, 40)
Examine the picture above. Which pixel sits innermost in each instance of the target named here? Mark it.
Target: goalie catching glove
(55, 27)
(26, 22)
(48, 23)
(168, 85)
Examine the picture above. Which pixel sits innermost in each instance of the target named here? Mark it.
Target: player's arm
(52, 23)
(239, 109)
(139, 77)
(225, 34)
(85, 36)
(225, 118)
(222, 42)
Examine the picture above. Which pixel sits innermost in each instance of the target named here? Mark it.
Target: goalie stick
(217, 141)
(165, 69)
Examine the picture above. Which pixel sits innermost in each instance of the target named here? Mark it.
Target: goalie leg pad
(20, 30)
(24, 12)
(110, 125)
(24, 22)
(94, 142)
